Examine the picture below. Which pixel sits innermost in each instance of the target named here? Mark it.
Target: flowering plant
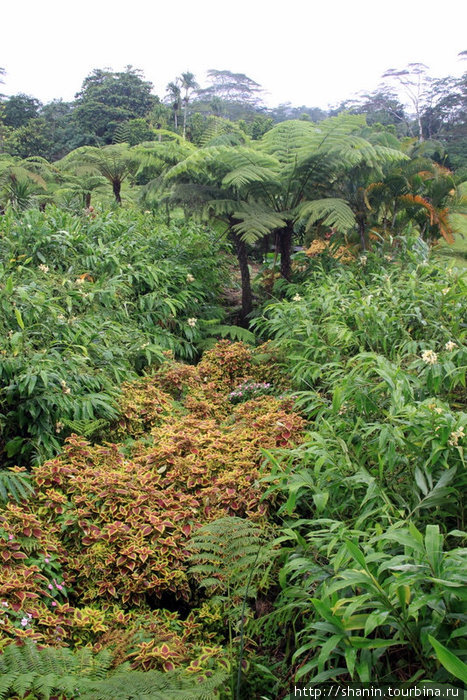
(250, 390)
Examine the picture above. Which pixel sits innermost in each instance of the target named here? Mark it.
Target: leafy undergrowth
(89, 303)
(94, 556)
(373, 499)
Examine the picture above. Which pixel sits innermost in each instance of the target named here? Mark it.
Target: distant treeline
(114, 107)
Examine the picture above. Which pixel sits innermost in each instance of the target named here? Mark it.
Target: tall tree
(174, 94)
(233, 95)
(382, 106)
(108, 98)
(198, 183)
(188, 84)
(19, 109)
(416, 83)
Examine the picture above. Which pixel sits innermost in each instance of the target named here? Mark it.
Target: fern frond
(228, 549)
(86, 428)
(83, 674)
(153, 685)
(257, 221)
(235, 333)
(333, 212)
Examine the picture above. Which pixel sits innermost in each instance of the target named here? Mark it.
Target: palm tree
(174, 93)
(188, 83)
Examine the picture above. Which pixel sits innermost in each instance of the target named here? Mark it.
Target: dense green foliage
(87, 304)
(374, 509)
(191, 508)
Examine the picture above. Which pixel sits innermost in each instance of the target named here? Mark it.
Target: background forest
(232, 390)
(115, 106)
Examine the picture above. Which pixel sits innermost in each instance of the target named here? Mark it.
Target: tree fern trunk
(285, 248)
(242, 257)
(116, 186)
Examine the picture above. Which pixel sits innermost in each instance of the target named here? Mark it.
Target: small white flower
(24, 621)
(363, 259)
(297, 297)
(430, 357)
(79, 280)
(455, 436)
(445, 291)
(190, 278)
(192, 322)
(4, 603)
(43, 268)
(450, 346)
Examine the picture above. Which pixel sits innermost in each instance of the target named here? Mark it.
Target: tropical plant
(115, 163)
(188, 84)
(19, 182)
(174, 94)
(45, 672)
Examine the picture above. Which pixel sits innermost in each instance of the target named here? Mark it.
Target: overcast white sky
(304, 52)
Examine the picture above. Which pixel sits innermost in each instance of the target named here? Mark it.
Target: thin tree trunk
(285, 249)
(87, 200)
(185, 107)
(116, 186)
(242, 257)
(361, 231)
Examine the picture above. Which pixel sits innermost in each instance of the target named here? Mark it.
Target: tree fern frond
(256, 222)
(333, 212)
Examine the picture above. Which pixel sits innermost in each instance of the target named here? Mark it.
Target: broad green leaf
(19, 318)
(449, 660)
